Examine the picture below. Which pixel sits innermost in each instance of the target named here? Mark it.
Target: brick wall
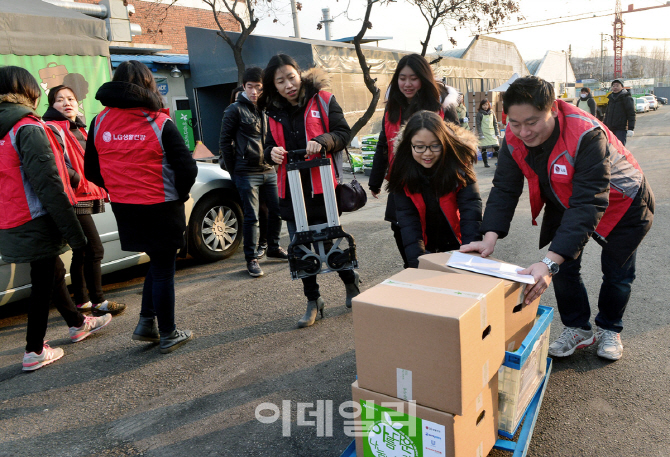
(166, 25)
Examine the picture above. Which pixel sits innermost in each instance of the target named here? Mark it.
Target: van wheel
(215, 228)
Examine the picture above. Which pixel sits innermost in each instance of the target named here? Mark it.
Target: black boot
(352, 289)
(485, 159)
(146, 330)
(313, 308)
(174, 339)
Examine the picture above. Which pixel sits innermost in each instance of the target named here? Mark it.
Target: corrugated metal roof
(457, 53)
(161, 59)
(534, 65)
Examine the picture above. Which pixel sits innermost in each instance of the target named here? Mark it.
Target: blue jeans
(309, 284)
(573, 301)
(621, 135)
(250, 187)
(158, 298)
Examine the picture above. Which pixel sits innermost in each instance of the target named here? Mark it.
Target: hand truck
(313, 246)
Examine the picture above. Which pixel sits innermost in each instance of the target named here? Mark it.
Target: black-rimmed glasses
(421, 148)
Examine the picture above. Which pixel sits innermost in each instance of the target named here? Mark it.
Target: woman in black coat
(438, 206)
(287, 94)
(133, 119)
(413, 88)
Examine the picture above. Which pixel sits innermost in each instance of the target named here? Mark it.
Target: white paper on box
(441, 290)
(480, 450)
(488, 267)
(485, 374)
(404, 384)
(433, 439)
(479, 402)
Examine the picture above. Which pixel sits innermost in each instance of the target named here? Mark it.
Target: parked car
(662, 100)
(641, 105)
(653, 104)
(214, 233)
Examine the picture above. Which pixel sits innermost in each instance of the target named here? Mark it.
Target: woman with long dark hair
(413, 88)
(85, 268)
(302, 115)
(36, 214)
(136, 153)
(438, 206)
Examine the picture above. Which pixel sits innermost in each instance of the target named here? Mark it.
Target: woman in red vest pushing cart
(437, 200)
(136, 153)
(85, 269)
(36, 215)
(303, 116)
(413, 88)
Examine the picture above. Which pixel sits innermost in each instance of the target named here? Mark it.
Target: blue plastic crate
(517, 358)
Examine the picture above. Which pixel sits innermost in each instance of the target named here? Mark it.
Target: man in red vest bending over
(590, 185)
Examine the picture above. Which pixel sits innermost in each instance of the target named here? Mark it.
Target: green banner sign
(182, 119)
(84, 74)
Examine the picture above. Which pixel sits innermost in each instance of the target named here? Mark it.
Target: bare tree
(247, 21)
(480, 15)
(370, 83)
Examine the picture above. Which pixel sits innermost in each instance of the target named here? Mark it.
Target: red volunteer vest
(316, 107)
(449, 207)
(626, 174)
(391, 129)
(86, 190)
(18, 201)
(132, 158)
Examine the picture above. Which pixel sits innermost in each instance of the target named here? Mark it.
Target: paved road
(112, 396)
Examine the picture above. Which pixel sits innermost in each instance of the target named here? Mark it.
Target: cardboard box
(427, 431)
(519, 317)
(435, 338)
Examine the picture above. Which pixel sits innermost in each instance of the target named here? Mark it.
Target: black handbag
(350, 196)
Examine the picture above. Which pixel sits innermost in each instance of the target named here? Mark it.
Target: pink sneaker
(33, 361)
(90, 325)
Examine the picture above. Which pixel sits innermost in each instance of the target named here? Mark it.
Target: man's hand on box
(539, 271)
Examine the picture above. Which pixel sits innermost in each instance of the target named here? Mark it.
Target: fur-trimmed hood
(312, 81)
(13, 108)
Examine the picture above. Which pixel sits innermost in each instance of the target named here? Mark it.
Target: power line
(543, 25)
(551, 19)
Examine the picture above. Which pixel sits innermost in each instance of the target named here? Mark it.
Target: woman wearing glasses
(434, 185)
(413, 88)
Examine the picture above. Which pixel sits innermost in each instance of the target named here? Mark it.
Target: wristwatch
(553, 266)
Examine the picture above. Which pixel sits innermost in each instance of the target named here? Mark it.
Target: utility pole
(296, 25)
(602, 61)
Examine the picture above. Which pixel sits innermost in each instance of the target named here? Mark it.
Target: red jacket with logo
(626, 174)
(131, 156)
(316, 123)
(86, 190)
(20, 203)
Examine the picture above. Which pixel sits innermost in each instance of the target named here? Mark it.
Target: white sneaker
(90, 325)
(33, 361)
(609, 344)
(571, 339)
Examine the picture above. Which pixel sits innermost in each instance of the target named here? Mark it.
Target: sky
(407, 27)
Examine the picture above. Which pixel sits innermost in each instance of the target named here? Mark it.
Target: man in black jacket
(590, 172)
(620, 112)
(242, 133)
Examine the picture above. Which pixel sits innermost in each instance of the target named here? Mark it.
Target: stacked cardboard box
(436, 339)
(519, 317)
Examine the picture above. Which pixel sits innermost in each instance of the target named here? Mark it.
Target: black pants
(309, 284)
(262, 221)
(85, 269)
(48, 282)
(158, 296)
